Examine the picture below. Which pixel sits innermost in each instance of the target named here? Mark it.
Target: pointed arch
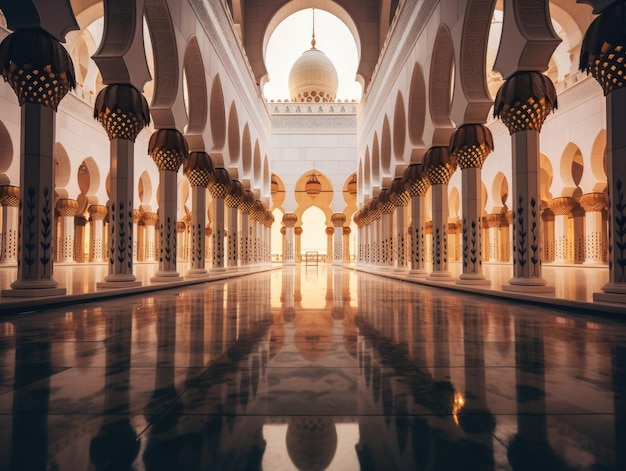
(234, 139)
(441, 81)
(399, 128)
(246, 151)
(417, 106)
(218, 114)
(197, 102)
(385, 148)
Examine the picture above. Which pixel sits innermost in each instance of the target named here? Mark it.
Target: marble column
(562, 207)
(9, 207)
(593, 204)
(136, 219)
(181, 233)
(123, 112)
(168, 149)
(470, 145)
(150, 220)
(338, 220)
(80, 222)
(330, 232)
(400, 198)
(493, 222)
(97, 213)
(603, 54)
(417, 184)
(298, 235)
(245, 208)
(40, 82)
(219, 188)
(548, 250)
(198, 169)
(387, 207)
(346, 231)
(577, 226)
(233, 200)
(438, 166)
(66, 209)
(523, 103)
(289, 220)
(283, 232)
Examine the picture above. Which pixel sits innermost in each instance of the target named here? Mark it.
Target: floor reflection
(311, 369)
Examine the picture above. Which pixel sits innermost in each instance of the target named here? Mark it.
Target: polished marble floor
(311, 369)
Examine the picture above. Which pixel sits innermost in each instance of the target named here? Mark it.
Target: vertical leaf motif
(30, 235)
(534, 246)
(437, 248)
(46, 235)
(620, 233)
(465, 244)
(520, 244)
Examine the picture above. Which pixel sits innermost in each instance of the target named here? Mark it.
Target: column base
(401, 270)
(217, 270)
(289, 263)
(197, 273)
(615, 298)
(118, 284)
(528, 285)
(31, 292)
(477, 279)
(418, 273)
(440, 276)
(595, 263)
(165, 277)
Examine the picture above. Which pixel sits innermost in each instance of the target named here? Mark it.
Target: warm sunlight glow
(293, 36)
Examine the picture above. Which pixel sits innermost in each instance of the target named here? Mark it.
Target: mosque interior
(201, 271)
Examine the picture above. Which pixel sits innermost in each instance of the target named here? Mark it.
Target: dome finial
(313, 37)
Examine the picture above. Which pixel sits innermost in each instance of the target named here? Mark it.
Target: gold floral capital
(9, 195)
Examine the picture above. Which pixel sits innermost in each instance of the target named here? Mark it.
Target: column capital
(149, 219)
(80, 221)
(471, 144)
(208, 231)
(48, 75)
(524, 101)
(329, 230)
(298, 230)
(438, 165)
(235, 196)
(122, 110)
(290, 219)
(219, 187)
(599, 55)
(415, 181)
(493, 220)
(338, 219)
(9, 195)
(399, 196)
(385, 204)
(283, 230)
(168, 149)
(180, 226)
(347, 230)
(66, 207)
(593, 202)
(198, 168)
(562, 205)
(97, 212)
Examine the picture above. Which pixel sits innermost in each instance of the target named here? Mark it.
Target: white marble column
(233, 200)
(9, 207)
(346, 231)
(289, 220)
(593, 204)
(168, 148)
(219, 188)
(97, 213)
(417, 184)
(524, 119)
(66, 209)
(298, 235)
(493, 222)
(438, 166)
(561, 207)
(80, 222)
(548, 236)
(338, 220)
(39, 89)
(198, 168)
(470, 145)
(136, 219)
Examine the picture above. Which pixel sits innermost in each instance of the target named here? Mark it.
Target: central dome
(313, 78)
